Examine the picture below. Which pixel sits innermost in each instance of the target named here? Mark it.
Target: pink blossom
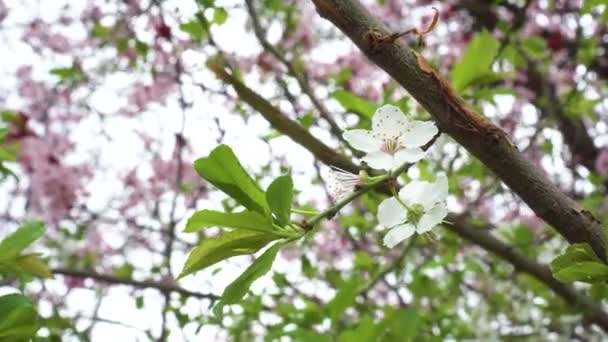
(38, 34)
(601, 162)
(141, 95)
(38, 96)
(304, 33)
(53, 187)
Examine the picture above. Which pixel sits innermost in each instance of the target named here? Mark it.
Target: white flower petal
(362, 140)
(398, 234)
(391, 213)
(414, 192)
(436, 192)
(409, 155)
(379, 160)
(389, 122)
(432, 218)
(418, 133)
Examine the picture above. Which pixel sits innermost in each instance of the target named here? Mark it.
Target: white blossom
(421, 206)
(393, 140)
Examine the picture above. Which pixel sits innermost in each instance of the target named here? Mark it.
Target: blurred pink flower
(53, 187)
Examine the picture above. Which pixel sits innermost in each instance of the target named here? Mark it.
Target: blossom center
(391, 145)
(414, 213)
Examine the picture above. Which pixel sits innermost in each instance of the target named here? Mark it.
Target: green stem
(304, 211)
(328, 213)
(396, 195)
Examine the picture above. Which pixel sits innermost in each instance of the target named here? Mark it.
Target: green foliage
(252, 229)
(279, 196)
(476, 62)
(68, 74)
(227, 245)
(239, 287)
(248, 220)
(222, 169)
(18, 318)
(579, 263)
(354, 103)
(195, 29)
(16, 242)
(344, 298)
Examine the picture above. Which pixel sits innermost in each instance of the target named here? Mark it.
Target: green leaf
(586, 271)
(354, 103)
(220, 15)
(32, 264)
(16, 242)
(239, 287)
(248, 220)
(224, 170)
(344, 298)
(403, 325)
(227, 245)
(65, 74)
(279, 196)
(366, 330)
(476, 61)
(535, 46)
(579, 263)
(18, 318)
(577, 252)
(194, 29)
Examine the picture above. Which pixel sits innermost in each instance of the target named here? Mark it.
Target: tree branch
(282, 123)
(478, 135)
(145, 284)
(590, 310)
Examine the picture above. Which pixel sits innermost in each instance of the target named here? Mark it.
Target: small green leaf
(279, 196)
(579, 263)
(16, 242)
(227, 245)
(18, 318)
(586, 271)
(535, 46)
(354, 103)
(194, 29)
(239, 287)
(32, 264)
(248, 220)
(222, 169)
(219, 15)
(476, 62)
(67, 74)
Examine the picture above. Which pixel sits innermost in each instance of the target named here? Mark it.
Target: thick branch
(144, 284)
(479, 136)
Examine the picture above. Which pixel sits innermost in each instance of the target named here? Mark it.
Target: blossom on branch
(393, 140)
(419, 207)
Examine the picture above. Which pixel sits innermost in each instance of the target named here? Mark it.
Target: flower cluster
(394, 140)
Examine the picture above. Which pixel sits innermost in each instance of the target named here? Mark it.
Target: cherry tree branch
(473, 131)
(140, 284)
(282, 123)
